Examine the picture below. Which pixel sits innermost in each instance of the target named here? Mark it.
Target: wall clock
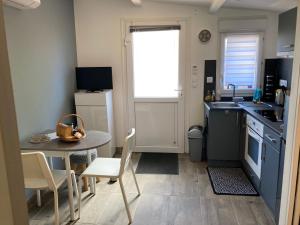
(204, 36)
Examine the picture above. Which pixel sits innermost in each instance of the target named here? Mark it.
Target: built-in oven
(254, 143)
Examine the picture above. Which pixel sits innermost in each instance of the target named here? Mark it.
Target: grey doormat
(230, 181)
(158, 163)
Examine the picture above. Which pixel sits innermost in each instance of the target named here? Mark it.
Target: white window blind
(241, 61)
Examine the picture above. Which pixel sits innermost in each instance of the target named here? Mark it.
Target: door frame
(291, 162)
(184, 61)
(296, 218)
(13, 207)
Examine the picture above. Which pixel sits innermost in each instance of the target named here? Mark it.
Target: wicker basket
(65, 132)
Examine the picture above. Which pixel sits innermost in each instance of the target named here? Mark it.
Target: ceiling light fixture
(216, 5)
(137, 2)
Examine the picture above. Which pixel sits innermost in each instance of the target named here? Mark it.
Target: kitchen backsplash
(209, 76)
(276, 70)
(280, 68)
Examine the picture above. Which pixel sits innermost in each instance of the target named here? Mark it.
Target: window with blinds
(241, 61)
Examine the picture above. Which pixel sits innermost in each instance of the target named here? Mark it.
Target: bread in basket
(67, 133)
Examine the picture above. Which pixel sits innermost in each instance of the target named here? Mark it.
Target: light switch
(209, 80)
(195, 71)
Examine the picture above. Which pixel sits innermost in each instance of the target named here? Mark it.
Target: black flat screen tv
(94, 78)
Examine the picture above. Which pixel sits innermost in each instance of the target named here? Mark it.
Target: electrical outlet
(209, 80)
(283, 83)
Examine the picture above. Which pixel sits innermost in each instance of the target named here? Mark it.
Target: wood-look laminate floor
(184, 199)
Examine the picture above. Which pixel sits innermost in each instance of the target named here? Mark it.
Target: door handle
(263, 153)
(288, 46)
(270, 138)
(179, 90)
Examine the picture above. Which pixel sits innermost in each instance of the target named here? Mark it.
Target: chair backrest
(36, 171)
(128, 147)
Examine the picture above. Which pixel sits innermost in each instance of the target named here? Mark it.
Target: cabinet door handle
(265, 152)
(237, 119)
(270, 138)
(288, 46)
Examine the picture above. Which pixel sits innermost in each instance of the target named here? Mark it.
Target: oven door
(253, 151)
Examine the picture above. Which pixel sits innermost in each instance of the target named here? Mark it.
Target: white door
(155, 68)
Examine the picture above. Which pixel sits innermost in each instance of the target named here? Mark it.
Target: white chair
(113, 168)
(37, 175)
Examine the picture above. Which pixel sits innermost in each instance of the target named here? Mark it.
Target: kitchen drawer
(272, 137)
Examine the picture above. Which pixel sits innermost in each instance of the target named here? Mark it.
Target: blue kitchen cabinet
(269, 175)
(223, 139)
(280, 178)
(286, 32)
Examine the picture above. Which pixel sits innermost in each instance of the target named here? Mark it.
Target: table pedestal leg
(70, 186)
(91, 179)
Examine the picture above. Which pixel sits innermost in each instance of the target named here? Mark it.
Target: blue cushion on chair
(81, 157)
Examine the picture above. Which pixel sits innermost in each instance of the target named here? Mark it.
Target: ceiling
(273, 5)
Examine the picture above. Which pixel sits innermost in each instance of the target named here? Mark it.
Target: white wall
(99, 42)
(13, 208)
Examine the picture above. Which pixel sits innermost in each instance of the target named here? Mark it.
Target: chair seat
(59, 177)
(81, 157)
(103, 167)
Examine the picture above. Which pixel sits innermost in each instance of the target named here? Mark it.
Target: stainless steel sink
(225, 105)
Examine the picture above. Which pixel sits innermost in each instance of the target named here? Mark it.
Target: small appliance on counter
(279, 96)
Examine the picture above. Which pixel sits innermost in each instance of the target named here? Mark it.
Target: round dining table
(57, 148)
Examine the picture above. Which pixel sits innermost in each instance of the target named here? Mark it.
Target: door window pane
(156, 63)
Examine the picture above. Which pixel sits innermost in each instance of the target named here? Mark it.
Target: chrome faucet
(233, 93)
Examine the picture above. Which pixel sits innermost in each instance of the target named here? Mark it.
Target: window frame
(225, 92)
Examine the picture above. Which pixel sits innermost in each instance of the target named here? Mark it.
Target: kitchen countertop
(249, 107)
